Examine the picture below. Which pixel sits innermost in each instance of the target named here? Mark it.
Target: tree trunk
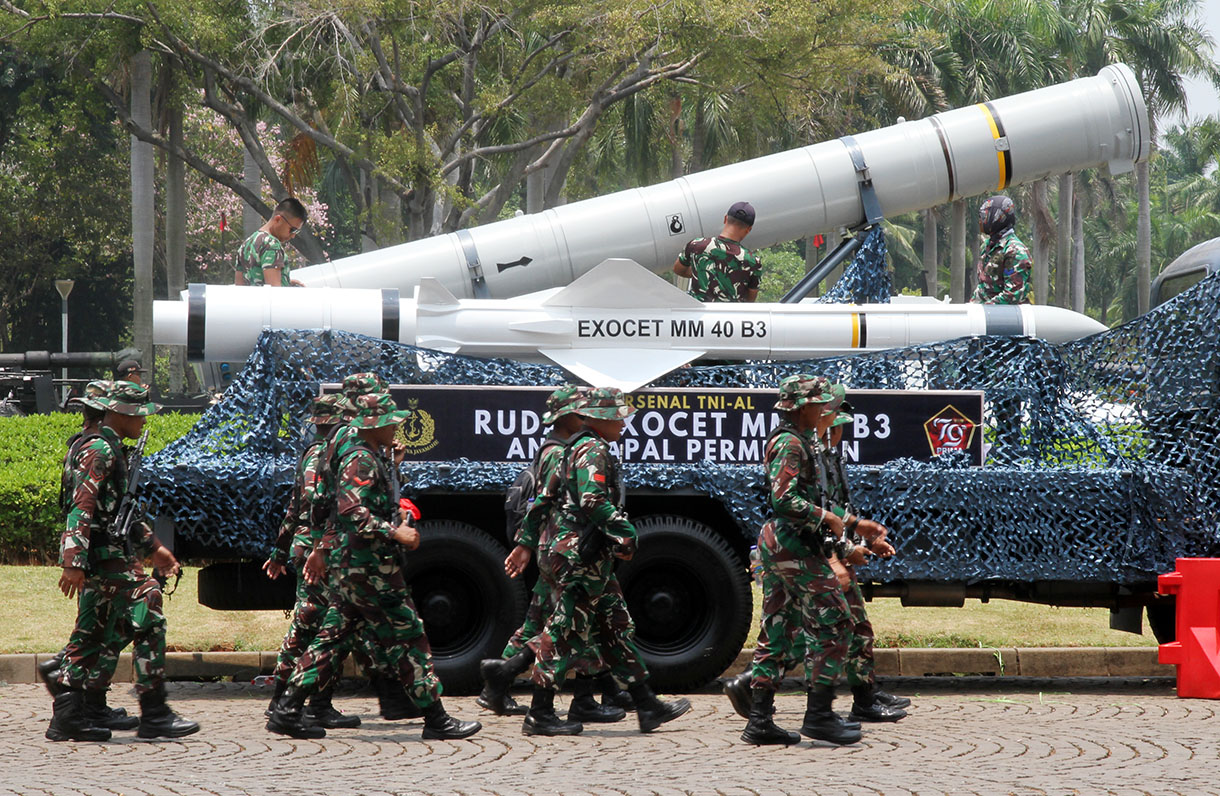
(1078, 257)
(698, 139)
(252, 177)
(1143, 239)
(811, 260)
(1042, 232)
(175, 239)
(929, 252)
(972, 261)
(957, 253)
(143, 215)
(1063, 257)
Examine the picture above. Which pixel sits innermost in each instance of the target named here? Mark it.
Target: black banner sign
(494, 424)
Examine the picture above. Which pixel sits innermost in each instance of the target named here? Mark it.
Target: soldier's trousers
(307, 615)
(535, 617)
(112, 612)
(859, 666)
(589, 628)
(804, 612)
(379, 601)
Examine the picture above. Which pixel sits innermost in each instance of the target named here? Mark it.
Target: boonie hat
(377, 409)
(838, 394)
(363, 384)
(565, 400)
(605, 403)
(803, 388)
(128, 366)
(743, 212)
(128, 398)
(327, 409)
(93, 391)
(846, 415)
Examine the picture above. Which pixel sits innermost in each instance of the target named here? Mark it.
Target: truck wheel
(469, 606)
(689, 595)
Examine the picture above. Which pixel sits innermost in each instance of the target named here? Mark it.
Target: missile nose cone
(1059, 325)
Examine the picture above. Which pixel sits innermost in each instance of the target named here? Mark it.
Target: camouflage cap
(803, 388)
(93, 391)
(838, 394)
(328, 409)
(363, 384)
(846, 415)
(377, 409)
(128, 398)
(605, 403)
(565, 400)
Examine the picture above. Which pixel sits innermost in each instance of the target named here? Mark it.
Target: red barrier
(1196, 653)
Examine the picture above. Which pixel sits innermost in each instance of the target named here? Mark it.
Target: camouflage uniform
(260, 251)
(120, 603)
(721, 269)
(366, 579)
(803, 607)
(1004, 267)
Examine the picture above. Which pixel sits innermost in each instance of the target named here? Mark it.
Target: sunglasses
(294, 230)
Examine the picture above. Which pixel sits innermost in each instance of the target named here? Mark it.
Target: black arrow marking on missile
(502, 267)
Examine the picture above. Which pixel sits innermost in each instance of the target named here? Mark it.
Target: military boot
(761, 729)
(651, 711)
(612, 695)
(737, 689)
(68, 721)
(440, 726)
(393, 701)
(584, 707)
(100, 714)
(498, 676)
(321, 711)
(278, 692)
(48, 672)
(158, 721)
(286, 716)
(541, 718)
(889, 700)
(865, 706)
(822, 723)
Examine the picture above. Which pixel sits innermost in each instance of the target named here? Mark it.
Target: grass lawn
(38, 618)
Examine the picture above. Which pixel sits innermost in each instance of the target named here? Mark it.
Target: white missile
(617, 325)
(983, 148)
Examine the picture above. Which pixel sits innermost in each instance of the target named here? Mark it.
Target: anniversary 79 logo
(949, 430)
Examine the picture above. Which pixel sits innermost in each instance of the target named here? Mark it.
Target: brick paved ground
(969, 735)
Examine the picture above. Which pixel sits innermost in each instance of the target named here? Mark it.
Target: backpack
(524, 488)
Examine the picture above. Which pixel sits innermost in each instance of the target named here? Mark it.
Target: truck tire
(690, 597)
(469, 606)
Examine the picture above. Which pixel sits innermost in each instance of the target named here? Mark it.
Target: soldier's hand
(406, 536)
(72, 581)
(841, 573)
(882, 548)
(833, 523)
(871, 530)
(516, 561)
(164, 562)
(274, 568)
(399, 450)
(858, 555)
(315, 567)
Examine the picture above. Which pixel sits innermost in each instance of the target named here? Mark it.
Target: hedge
(31, 450)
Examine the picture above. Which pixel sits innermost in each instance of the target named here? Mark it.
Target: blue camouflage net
(1102, 466)
(865, 280)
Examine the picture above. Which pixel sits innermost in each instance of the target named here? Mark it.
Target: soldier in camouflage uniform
(803, 605)
(720, 268)
(299, 533)
(1004, 267)
(862, 538)
(367, 581)
(588, 605)
(261, 260)
(98, 713)
(536, 533)
(119, 602)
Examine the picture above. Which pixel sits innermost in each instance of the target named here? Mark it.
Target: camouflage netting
(1103, 460)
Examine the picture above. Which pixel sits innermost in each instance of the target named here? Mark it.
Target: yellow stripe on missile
(995, 134)
(855, 330)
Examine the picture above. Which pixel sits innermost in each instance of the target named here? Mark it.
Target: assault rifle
(126, 515)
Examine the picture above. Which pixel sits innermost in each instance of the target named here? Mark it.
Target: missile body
(1088, 122)
(617, 325)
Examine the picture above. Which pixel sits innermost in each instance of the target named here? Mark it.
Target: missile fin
(618, 283)
(443, 344)
(564, 326)
(431, 292)
(625, 368)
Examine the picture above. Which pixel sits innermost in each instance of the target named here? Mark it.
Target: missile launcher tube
(914, 165)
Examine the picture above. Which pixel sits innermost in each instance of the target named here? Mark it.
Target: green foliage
(31, 452)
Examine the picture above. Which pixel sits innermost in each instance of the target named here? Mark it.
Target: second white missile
(618, 324)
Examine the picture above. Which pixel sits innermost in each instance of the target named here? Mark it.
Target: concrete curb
(901, 662)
